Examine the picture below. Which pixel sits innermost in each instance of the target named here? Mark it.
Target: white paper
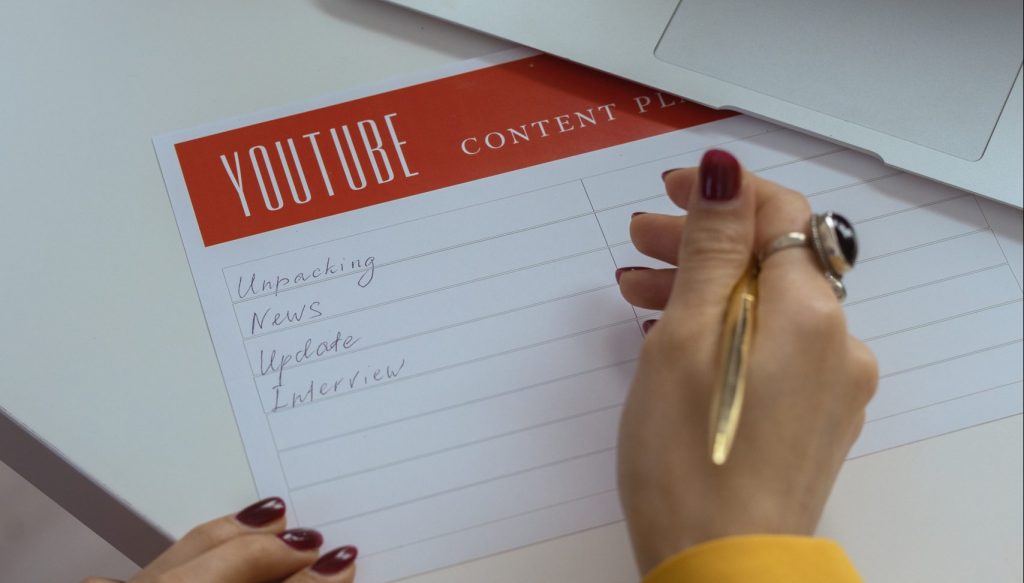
(502, 350)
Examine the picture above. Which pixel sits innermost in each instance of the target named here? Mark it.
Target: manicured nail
(719, 176)
(302, 539)
(667, 172)
(637, 214)
(621, 270)
(263, 512)
(336, 561)
(647, 325)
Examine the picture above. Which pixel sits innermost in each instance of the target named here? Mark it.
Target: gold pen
(734, 355)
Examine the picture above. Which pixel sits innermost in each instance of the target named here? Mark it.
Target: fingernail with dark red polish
(719, 176)
(637, 214)
(336, 561)
(621, 270)
(647, 325)
(263, 512)
(302, 539)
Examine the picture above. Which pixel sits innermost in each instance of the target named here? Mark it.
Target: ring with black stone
(834, 242)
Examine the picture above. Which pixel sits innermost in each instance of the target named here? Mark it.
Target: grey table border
(64, 483)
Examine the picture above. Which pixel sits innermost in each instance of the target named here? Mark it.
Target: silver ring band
(831, 238)
(782, 242)
(837, 286)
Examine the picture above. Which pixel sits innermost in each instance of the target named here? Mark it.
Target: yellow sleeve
(758, 559)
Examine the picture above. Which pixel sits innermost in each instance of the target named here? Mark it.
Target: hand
(808, 380)
(249, 547)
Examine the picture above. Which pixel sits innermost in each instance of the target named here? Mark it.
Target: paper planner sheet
(410, 289)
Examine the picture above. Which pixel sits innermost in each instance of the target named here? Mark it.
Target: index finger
(252, 558)
(265, 516)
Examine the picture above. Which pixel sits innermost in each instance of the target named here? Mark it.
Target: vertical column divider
(607, 245)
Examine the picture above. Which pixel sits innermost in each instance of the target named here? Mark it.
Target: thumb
(717, 244)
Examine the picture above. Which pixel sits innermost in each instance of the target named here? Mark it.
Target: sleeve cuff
(758, 559)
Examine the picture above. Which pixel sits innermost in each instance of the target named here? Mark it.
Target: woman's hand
(249, 547)
(808, 380)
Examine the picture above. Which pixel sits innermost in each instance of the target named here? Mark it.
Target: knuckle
(790, 201)
(865, 372)
(304, 577)
(781, 207)
(820, 319)
(213, 533)
(172, 576)
(796, 202)
(717, 241)
(664, 352)
(261, 545)
(260, 551)
(667, 339)
(858, 426)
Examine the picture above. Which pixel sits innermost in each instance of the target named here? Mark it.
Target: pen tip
(719, 454)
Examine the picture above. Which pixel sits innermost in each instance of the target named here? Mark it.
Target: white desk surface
(106, 354)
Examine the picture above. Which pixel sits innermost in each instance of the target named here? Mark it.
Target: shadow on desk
(72, 493)
(34, 531)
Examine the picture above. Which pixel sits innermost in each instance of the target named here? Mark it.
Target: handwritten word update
(275, 362)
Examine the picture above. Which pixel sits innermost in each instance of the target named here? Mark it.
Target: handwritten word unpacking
(251, 285)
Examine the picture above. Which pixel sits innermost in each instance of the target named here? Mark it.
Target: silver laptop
(930, 86)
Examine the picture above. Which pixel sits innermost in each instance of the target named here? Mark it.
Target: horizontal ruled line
(952, 358)
(456, 406)
(927, 284)
(466, 486)
(391, 225)
(456, 447)
(440, 329)
(401, 260)
(490, 522)
(430, 291)
(950, 400)
(462, 363)
(940, 320)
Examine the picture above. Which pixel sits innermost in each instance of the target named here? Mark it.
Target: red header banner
(416, 139)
